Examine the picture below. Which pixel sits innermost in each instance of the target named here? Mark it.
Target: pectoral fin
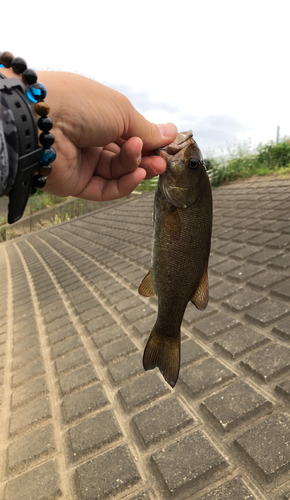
(200, 298)
(146, 287)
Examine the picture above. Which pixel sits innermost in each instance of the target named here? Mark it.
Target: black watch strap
(29, 151)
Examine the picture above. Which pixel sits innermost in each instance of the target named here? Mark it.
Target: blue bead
(1, 66)
(48, 155)
(36, 92)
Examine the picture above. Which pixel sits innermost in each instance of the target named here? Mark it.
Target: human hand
(104, 146)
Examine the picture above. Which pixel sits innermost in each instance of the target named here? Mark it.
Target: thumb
(153, 136)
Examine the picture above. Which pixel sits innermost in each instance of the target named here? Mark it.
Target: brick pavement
(79, 417)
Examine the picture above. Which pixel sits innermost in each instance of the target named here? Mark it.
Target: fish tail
(163, 352)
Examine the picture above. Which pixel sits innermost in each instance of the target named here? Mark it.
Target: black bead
(45, 124)
(39, 181)
(18, 65)
(46, 139)
(29, 76)
(33, 190)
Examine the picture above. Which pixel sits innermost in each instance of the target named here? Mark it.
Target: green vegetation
(244, 161)
(147, 185)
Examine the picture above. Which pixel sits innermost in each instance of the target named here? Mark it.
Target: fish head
(185, 171)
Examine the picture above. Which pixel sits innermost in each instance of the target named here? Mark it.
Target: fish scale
(180, 250)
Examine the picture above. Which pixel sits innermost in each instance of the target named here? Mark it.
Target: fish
(180, 250)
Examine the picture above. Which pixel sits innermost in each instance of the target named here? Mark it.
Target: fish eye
(193, 163)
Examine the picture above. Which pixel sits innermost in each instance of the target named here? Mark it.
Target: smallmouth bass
(180, 251)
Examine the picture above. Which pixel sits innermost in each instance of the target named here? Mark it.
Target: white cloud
(220, 67)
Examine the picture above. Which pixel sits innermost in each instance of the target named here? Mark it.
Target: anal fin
(146, 287)
(200, 298)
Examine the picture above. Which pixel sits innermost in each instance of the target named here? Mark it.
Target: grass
(242, 160)
(147, 185)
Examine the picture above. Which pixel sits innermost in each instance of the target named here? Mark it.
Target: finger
(128, 159)
(100, 189)
(153, 136)
(154, 165)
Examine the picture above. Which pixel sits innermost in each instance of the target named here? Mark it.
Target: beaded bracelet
(36, 93)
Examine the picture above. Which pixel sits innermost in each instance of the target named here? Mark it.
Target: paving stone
(281, 262)
(266, 279)
(240, 341)
(30, 414)
(80, 297)
(269, 362)
(282, 329)
(25, 324)
(283, 388)
(267, 312)
(263, 238)
(26, 357)
(230, 235)
(161, 420)
(28, 391)
(30, 447)
(117, 349)
(139, 312)
(282, 291)
(85, 401)
(144, 390)
(127, 367)
(216, 325)
(55, 314)
(72, 360)
(144, 326)
(58, 323)
(93, 433)
(259, 447)
(281, 241)
(223, 290)
(24, 333)
(92, 314)
(191, 351)
(63, 333)
(225, 267)
(29, 372)
(64, 347)
(76, 379)
(141, 496)
(264, 256)
(100, 323)
(243, 300)
(108, 474)
(25, 344)
(235, 404)
(228, 249)
(192, 314)
(215, 260)
(87, 305)
(201, 465)
(118, 297)
(108, 335)
(244, 272)
(41, 483)
(245, 252)
(129, 302)
(206, 375)
(232, 490)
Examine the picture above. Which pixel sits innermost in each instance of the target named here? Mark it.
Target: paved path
(81, 420)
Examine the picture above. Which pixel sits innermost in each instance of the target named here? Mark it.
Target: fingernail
(167, 129)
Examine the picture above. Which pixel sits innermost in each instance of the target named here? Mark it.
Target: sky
(218, 67)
